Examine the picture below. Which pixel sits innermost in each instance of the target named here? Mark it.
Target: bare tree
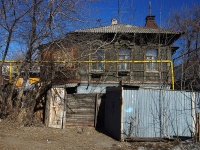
(26, 25)
(188, 21)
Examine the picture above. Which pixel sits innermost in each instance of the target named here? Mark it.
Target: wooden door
(55, 108)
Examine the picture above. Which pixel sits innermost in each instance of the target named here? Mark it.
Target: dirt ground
(17, 137)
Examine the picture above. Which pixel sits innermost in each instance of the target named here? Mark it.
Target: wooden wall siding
(80, 109)
(138, 76)
(152, 76)
(87, 44)
(138, 69)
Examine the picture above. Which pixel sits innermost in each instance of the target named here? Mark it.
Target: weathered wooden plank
(80, 120)
(80, 115)
(78, 111)
(89, 123)
(78, 105)
(81, 102)
(80, 108)
(56, 107)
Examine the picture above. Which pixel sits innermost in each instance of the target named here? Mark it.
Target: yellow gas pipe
(10, 79)
(103, 61)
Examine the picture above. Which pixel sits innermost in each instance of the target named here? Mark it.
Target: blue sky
(134, 11)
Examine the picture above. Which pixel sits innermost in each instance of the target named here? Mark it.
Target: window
(151, 55)
(124, 55)
(98, 56)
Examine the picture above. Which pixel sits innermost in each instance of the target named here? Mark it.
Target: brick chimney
(150, 22)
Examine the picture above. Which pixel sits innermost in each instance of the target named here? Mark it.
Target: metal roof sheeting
(122, 28)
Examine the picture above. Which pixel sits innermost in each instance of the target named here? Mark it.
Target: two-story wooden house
(88, 60)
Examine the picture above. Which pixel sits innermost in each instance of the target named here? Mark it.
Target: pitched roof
(123, 28)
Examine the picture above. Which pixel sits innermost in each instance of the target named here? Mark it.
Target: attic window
(124, 55)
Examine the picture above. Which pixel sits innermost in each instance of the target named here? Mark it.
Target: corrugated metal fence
(153, 113)
(157, 113)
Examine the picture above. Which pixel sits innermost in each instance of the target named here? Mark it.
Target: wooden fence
(73, 109)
